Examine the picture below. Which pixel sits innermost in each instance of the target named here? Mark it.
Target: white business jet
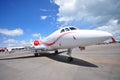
(68, 38)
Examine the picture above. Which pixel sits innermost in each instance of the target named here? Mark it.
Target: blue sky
(24, 20)
(26, 15)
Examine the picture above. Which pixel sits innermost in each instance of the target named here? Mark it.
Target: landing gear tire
(56, 51)
(36, 54)
(69, 59)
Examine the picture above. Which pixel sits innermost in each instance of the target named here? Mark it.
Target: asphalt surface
(98, 62)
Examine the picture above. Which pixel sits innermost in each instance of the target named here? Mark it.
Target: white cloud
(44, 10)
(25, 43)
(15, 32)
(10, 42)
(51, 1)
(97, 11)
(66, 9)
(36, 35)
(15, 43)
(104, 14)
(43, 17)
(113, 27)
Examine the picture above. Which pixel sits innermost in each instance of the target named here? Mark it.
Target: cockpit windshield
(65, 29)
(72, 28)
(62, 30)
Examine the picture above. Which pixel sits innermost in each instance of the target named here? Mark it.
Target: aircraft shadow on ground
(59, 58)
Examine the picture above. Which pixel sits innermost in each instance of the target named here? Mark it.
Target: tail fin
(113, 40)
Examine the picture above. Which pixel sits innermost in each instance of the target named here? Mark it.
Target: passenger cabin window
(62, 30)
(72, 28)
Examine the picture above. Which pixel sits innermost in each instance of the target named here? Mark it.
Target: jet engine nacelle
(36, 43)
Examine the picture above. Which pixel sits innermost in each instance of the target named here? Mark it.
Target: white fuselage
(72, 38)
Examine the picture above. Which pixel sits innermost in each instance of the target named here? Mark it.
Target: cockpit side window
(66, 29)
(62, 30)
(72, 28)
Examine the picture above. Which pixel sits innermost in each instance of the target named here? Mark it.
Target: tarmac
(97, 62)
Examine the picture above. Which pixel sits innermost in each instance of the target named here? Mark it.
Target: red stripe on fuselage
(53, 42)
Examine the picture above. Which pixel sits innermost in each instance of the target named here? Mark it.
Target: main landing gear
(56, 51)
(69, 51)
(36, 54)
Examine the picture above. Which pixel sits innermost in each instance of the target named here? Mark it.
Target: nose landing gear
(70, 58)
